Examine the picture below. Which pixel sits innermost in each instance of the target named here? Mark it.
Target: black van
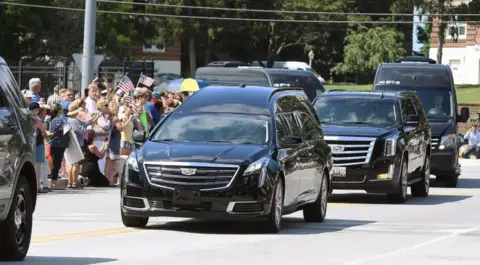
(257, 76)
(433, 84)
(18, 184)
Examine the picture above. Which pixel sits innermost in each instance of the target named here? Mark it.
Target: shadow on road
(432, 199)
(463, 183)
(35, 260)
(87, 190)
(291, 226)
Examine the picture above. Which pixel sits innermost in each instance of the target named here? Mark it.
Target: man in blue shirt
(34, 88)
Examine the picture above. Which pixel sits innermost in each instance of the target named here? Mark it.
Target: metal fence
(66, 74)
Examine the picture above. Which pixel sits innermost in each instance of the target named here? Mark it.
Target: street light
(311, 55)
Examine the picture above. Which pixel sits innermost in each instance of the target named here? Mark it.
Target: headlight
(132, 163)
(390, 147)
(259, 168)
(448, 141)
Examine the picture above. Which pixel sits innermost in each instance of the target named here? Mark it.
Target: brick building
(167, 58)
(462, 56)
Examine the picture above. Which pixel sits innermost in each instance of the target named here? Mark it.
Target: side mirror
(138, 137)
(289, 141)
(412, 120)
(464, 114)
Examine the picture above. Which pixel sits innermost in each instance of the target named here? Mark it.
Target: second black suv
(380, 142)
(18, 184)
(231, 152)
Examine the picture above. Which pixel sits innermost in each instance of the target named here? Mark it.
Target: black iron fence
(66, 74)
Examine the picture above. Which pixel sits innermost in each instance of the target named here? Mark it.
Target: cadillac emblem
(337, 148)
(188, 171)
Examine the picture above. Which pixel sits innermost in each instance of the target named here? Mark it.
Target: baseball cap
(33, 105)
(157, 94)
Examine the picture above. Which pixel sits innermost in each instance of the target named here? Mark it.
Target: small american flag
(130, 101)
(148, 81)
(126, 84)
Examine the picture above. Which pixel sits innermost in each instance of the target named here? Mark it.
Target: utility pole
(89, 44)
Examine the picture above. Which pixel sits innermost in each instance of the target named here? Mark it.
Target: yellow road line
(83, 234)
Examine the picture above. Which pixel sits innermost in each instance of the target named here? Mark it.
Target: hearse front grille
(435, 141)
(350, 150)
(180, 175)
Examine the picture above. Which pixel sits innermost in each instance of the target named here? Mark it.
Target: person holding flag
(146, 81)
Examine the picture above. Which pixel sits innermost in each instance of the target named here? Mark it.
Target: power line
(278, 11)
(227, 18)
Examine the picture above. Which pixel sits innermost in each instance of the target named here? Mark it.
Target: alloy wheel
(20, 218)
(324, 196)
(278, 203)
(427, 175)
(404, 180)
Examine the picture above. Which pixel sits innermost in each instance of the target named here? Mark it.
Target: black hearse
(257, 76)
(380, 142)
(433, 83)
(246, 152)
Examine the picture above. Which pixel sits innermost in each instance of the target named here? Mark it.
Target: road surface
(84, 227)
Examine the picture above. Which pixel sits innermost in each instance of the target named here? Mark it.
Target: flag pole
(138, 83)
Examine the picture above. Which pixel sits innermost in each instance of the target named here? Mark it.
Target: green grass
(465, 93)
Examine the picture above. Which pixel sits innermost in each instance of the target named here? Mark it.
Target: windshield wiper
(357, 122)
(161, 140)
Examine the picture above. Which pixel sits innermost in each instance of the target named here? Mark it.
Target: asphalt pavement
(84, 227)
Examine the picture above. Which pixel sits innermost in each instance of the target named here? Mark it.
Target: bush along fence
(66, 74)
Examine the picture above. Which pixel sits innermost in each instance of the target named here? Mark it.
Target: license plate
(186, 197)
(339, 172)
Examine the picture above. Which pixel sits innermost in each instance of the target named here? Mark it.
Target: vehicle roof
(364, 94)
(253, 70)
(232, 99)
(288, 71)
(413, 65)
(2, 61)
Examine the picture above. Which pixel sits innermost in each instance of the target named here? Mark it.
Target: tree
(42, 34)
(366, 48)
(423, 37)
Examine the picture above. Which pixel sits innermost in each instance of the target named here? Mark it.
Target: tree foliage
(366, 48)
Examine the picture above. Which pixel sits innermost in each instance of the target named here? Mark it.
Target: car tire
(133, 221)
(16, 230)
(273, 224)
(317, 211)
(400, 193)
(422, 188)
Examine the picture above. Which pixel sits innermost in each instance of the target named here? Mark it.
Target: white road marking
(416, 246)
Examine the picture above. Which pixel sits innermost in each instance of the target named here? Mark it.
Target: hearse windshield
(414, 76)
(214, 127)
(359, 110)
(437, 101)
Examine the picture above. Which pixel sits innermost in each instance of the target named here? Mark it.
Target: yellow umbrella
(189, 85)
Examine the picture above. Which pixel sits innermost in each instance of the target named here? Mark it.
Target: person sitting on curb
(473, 137)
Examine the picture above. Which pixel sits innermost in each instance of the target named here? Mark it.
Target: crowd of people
(103, 124)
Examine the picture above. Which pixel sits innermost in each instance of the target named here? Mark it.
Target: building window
(462, 31)
(155, 48)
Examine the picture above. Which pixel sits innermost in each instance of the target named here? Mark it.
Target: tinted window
(289, 104)
(413, 76)
(420, 110)
(309, 83)
(292, 125)
(407, 108)
(311, 130)
(437, 102)
(282, 129)
(214, 127)
(373, 111)
(234, 78)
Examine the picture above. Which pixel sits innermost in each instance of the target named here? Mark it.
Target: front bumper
(444, 162)
(154, 202)
(366, 177)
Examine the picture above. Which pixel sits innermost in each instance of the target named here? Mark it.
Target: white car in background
(293, 65)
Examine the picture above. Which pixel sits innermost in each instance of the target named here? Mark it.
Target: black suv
(18, 185)
(433, 83)
(252, 153)
(380, 142)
